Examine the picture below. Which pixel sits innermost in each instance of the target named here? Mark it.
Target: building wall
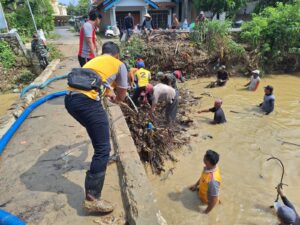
(59, 10)
(249, 8)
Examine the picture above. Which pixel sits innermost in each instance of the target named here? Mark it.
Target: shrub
(7, 57)
(275, 33)
(134, 47)
(25, 77)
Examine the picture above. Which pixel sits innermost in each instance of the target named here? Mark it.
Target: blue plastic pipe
(41, 86)
(9, 219)
(8, 135)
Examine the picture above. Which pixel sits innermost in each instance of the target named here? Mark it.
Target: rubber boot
(93, 187)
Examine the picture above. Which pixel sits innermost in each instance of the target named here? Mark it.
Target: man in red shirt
(87, 43)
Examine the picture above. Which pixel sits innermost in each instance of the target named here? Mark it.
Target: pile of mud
(169, 51)
(156, 145)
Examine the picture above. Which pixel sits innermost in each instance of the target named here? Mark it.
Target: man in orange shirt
(209, 183)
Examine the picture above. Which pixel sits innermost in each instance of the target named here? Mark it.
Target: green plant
(214, 36)
(7, 57)
(274, 32)
(18, 16)
(53, 36)
(54, 52)
(134, 47)
(219, 6)
(25, 77)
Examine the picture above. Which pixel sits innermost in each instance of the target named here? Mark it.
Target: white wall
(250, 6)
(132, 3)
(157, 1)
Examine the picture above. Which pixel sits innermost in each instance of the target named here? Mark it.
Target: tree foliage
(219, 6)
(215, 37)
(18, 15)
(275, 33)
(266, 3)
(80, 9)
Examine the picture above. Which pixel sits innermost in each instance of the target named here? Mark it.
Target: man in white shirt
(167, 94)
(253, 84)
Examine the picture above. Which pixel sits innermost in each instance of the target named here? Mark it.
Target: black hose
(282, 174)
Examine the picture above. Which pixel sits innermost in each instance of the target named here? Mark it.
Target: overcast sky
(68, 1)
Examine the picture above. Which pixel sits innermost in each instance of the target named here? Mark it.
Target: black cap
(269, 87)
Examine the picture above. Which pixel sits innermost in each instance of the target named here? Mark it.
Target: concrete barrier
(18, 107)
(138, 195)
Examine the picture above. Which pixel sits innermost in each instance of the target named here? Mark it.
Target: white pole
(3, 20)
(32, 16)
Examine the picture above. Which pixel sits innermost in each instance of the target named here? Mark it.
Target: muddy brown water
(6, 100)
(244, 144)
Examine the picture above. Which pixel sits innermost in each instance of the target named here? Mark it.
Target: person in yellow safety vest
(142, 78)
(209, 182)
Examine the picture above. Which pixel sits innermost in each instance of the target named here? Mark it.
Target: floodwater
(6, 100)
(244, 143)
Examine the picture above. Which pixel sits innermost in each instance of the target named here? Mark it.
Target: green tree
(275, 34)
(219, 6)
(18, 15)
(266, 3)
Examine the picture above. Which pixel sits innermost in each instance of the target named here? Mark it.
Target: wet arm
(204, 111)
(287, 202)
(246, 85)
(211, 204)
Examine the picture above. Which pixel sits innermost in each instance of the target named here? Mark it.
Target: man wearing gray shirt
(88, 39)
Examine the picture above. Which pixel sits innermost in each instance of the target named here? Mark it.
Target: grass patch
(55, 53)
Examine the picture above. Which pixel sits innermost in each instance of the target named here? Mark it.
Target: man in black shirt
(219, 116)
(129, 25)
(222, 76)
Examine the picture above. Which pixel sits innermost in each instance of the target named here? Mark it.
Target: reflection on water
(6, 100)
(244, 143)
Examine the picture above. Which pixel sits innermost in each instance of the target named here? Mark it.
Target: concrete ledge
(18, 107)
(139, 199)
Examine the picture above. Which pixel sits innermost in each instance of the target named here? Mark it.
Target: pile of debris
(156, 144)
(169, 51)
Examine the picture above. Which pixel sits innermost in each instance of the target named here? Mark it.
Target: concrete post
(113, 16)
(146, 8)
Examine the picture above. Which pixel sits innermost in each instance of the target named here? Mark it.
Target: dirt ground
(43, 167)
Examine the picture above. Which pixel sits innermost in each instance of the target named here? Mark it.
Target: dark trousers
(136, 95)
(171, 109)
(83, 61)
(90, 114)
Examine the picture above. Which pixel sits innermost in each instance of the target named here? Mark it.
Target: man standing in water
(209, 182)
(83, 103)
(286, 213)
(269, 100)
(219, 116)
(253, 84)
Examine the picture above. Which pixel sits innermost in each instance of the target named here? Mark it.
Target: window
(160, 19)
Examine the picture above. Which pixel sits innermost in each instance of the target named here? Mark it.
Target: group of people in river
(83, 102)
